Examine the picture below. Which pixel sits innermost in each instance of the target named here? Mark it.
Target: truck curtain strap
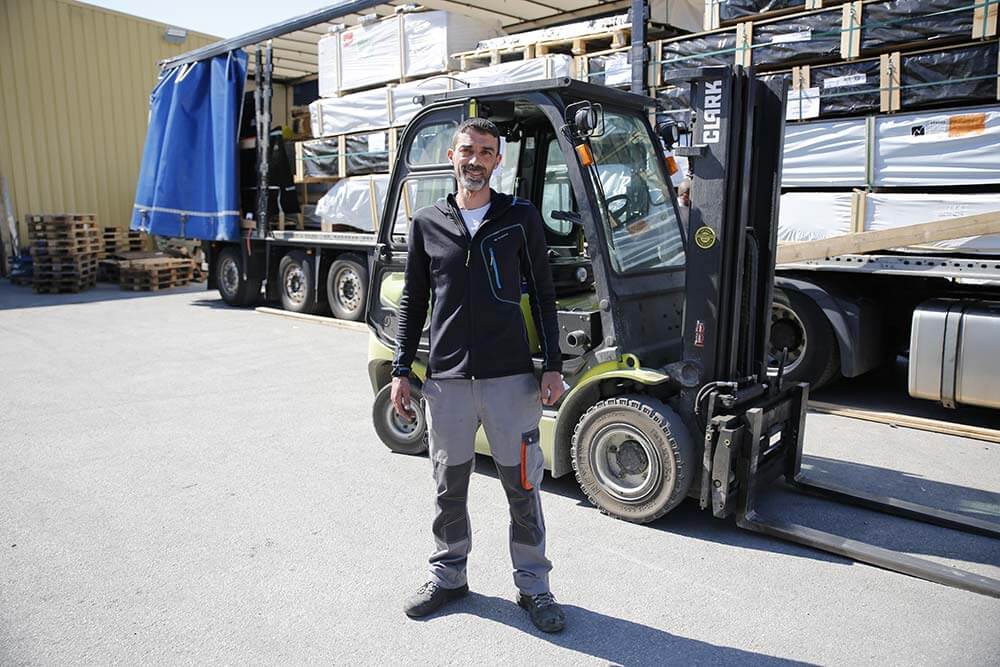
(188, 179)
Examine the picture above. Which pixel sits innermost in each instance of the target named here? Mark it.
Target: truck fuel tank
(953, 353)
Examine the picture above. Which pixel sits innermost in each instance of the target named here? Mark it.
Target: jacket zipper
(496, 271)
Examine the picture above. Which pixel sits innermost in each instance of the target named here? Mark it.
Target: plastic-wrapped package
(367, 153)
(367, 110)
(559, 32)
(613, 69)
(956, 147)
(847, 88)
(825, 154)
(811, 216)
(370, 109)
(319, 158)
(328, 55)
(552, 66)
(887, 211)
(406, 45)
(707, 50)
(348, 205)
(960, 75)
(809, 38)
(731, 10)
(889, 24)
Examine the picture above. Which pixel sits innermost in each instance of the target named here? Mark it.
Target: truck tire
(297, 283)
(633, 457)
(347, 288)
(800, 325)
(399, 435)
(233, 287)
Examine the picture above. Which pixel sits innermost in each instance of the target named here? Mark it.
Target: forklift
(663, 326)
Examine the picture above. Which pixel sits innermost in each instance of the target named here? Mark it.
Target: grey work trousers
(509, 409)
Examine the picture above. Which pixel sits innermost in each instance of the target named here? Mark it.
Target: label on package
(376, 143)
(801, 36)
(844, 81)
(802, 104)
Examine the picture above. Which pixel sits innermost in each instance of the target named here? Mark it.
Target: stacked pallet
(64, 250)
(118, 241)
(155, 273)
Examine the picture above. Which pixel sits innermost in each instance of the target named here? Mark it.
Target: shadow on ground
(17, 296)
(615, 640)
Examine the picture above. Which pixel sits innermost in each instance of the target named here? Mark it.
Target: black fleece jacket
(474, 284)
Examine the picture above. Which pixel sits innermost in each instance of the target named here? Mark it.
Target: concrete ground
(183, 482)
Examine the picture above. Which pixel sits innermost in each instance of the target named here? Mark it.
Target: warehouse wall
(74, 91)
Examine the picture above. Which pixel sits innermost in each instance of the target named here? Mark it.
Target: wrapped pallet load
(404, 46)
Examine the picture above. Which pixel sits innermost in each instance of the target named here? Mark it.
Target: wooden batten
(984, 19)
(342, 156)
(889, 82)
(801, 77)
(372, 196)
(900, 237)
(859, 205)
(711, 21)
(300, 173)
(744, 44)
(850, 36)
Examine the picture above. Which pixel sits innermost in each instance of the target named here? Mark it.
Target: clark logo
(712, 115)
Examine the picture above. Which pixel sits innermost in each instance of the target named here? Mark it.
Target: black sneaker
(430, 597)
(545, 612)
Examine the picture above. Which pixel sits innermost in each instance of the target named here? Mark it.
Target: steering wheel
(617, 206)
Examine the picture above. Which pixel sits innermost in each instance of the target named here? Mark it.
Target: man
(684, 199)
(472, 251)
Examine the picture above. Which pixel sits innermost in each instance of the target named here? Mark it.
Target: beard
(472, 179)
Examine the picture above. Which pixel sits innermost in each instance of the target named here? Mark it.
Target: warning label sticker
(971, 123)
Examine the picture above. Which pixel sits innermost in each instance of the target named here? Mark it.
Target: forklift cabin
(663, 329)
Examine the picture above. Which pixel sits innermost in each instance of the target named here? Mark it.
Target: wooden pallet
(62, 285)
(155, 273)
(144, 285)
(577, 46)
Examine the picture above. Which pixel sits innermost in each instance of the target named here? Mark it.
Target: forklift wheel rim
(606, 444)
(229, 276)
(406, 432)
(780, 311)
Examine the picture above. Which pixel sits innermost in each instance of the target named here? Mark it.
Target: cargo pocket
(532, 463)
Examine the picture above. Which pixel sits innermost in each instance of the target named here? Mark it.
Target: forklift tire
(633, 457)
(347, 288)
(799, 324)
(297, 284)
(399, 435)
(233, 287)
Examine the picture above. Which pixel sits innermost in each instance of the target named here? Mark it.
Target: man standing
(471, 252)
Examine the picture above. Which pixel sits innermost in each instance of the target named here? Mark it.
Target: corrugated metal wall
(74, 92)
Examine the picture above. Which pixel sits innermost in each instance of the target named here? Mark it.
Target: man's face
(475, 156)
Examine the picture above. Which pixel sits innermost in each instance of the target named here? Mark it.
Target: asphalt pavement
(183, 482)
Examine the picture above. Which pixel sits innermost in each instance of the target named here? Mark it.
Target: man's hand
(400, 394)
(552, 387)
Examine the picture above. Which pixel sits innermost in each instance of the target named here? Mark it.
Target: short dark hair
(479, 125)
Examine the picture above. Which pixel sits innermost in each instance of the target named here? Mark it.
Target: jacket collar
(499, 204)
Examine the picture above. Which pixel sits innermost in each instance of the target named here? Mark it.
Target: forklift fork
(751, 451)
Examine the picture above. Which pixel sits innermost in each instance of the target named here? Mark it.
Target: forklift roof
(564, 86)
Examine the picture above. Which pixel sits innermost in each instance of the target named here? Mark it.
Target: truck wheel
(398, 434)
(295, 276)
(633, 457)
(800, 325)
(234, 289)
(347, 288)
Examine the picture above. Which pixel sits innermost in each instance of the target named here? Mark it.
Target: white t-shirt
(473, 217)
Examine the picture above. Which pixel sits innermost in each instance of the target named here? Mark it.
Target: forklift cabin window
(416, 193)
(640, 220)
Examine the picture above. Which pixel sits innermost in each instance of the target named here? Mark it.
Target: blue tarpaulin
(189, 176)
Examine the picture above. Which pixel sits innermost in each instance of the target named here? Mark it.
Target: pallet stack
(118, 240)
(155, 273)
(64, 250)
